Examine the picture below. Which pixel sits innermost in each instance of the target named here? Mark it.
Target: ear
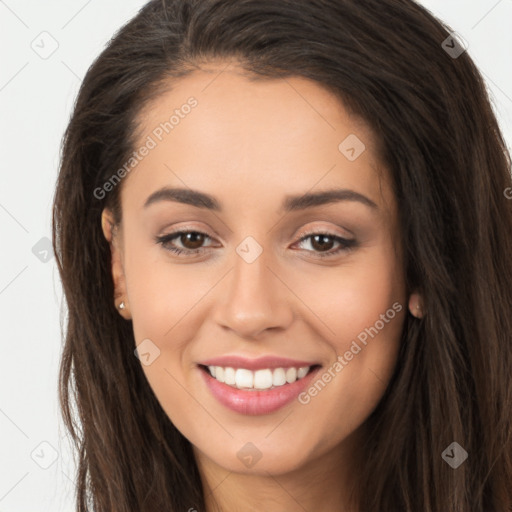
(416, 305)
(113, 236)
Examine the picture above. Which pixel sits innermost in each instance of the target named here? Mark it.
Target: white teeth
(260, 379)
(229, 376)
(301, 372)
(278, 377)
(291, 375)
(218, 373)
(244, 378)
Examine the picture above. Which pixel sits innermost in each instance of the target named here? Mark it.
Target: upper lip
(257, 363)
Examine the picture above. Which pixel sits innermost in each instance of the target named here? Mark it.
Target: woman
(283, 233)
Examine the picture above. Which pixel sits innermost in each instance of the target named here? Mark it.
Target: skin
(250, 144)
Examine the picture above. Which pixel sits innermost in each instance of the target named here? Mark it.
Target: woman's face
(281, 278)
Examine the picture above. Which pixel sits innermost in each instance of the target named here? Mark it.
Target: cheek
(360, 308)
(364, 309)
(163, 300)
(161, 294)
(347, 391)
(167, 306)
(352, 297)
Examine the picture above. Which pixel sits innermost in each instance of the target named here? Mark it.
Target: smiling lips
(256, 386)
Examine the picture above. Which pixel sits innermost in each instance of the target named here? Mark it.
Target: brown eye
(322, 243)
(189, 242)
(192, 239)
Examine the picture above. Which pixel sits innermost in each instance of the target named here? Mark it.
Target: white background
(36, 97)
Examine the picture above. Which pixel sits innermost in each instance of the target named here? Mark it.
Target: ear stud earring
(121, 306)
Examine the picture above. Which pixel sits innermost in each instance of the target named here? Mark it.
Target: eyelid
(325, 231)
(187, 228)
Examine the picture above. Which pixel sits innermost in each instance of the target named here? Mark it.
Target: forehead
(262, 136)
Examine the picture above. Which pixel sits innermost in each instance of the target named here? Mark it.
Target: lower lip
(256, 402)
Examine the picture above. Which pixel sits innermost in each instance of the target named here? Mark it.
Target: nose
(256, 299)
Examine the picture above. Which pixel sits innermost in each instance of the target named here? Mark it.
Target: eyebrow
(290, 203)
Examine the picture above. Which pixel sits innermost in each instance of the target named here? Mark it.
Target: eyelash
(345, 244)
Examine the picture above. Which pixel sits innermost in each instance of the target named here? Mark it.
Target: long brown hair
(386, 61)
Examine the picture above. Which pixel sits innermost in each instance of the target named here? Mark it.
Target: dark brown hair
(439, 139)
